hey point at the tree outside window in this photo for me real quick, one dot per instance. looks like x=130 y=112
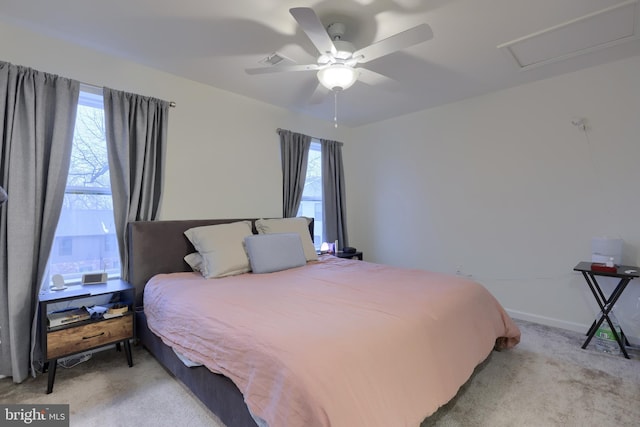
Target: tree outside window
x=85 y=237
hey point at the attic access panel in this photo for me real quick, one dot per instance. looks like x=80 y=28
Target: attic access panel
x=600 y=29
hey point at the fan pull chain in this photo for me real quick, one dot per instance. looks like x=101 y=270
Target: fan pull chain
x=335 y=109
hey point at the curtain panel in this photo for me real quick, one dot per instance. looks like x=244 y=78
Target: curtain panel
x=333 y=193
x=136 y=131
x=37 y=118
x=294 y=152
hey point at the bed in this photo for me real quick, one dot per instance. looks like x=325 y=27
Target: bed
x=276 y=349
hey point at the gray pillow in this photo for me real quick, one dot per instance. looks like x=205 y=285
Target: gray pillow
x=298 y=225
x=274 y=252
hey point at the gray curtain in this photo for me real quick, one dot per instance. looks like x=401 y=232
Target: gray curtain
x=37 y=118
x=294 y=152
x=333 y=194
x=136 y=131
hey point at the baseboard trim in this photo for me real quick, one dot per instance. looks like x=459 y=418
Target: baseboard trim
x=558 y=323
x=548 y=321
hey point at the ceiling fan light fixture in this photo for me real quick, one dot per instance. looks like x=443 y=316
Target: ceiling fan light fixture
x=337 y=77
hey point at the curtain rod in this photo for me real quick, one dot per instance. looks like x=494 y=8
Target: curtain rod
x=172 y=104
x=313 y=137
x=279 y=129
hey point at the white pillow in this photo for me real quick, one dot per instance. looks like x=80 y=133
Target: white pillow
x=298 y=225
x=221 y=247
x=194 y=260
x=274 y=252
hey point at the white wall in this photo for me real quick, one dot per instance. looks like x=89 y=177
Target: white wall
x=506 y=189
x=502 y=185
x=223 y=155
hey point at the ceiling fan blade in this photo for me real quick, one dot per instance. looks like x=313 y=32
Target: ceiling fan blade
x=276 y=69
x=372 y=78
x=399 y=41
x=313 y=28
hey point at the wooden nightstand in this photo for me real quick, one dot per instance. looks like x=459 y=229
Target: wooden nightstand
x=84 y=335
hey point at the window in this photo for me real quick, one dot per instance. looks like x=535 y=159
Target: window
x=85 y=239
x=65 y=246
x=311 y=205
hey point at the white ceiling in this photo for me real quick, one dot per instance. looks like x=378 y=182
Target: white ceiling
x=213 y=41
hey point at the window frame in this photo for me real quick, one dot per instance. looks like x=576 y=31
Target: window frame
x=318 y=222
x=92 y=97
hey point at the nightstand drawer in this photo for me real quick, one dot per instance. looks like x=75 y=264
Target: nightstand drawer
x=74 y=340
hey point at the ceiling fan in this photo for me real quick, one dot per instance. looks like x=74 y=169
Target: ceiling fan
x=338 y=66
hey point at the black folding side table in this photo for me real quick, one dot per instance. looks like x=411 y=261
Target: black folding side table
x=623 y=272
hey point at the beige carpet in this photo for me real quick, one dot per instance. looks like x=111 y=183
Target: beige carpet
x=546 y=381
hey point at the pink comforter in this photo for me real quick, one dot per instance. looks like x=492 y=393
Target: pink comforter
x=337 y=342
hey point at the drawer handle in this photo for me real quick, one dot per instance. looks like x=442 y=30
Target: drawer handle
x=93 y=336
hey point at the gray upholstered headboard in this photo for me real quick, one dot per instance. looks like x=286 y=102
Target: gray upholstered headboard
x=159 y=247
